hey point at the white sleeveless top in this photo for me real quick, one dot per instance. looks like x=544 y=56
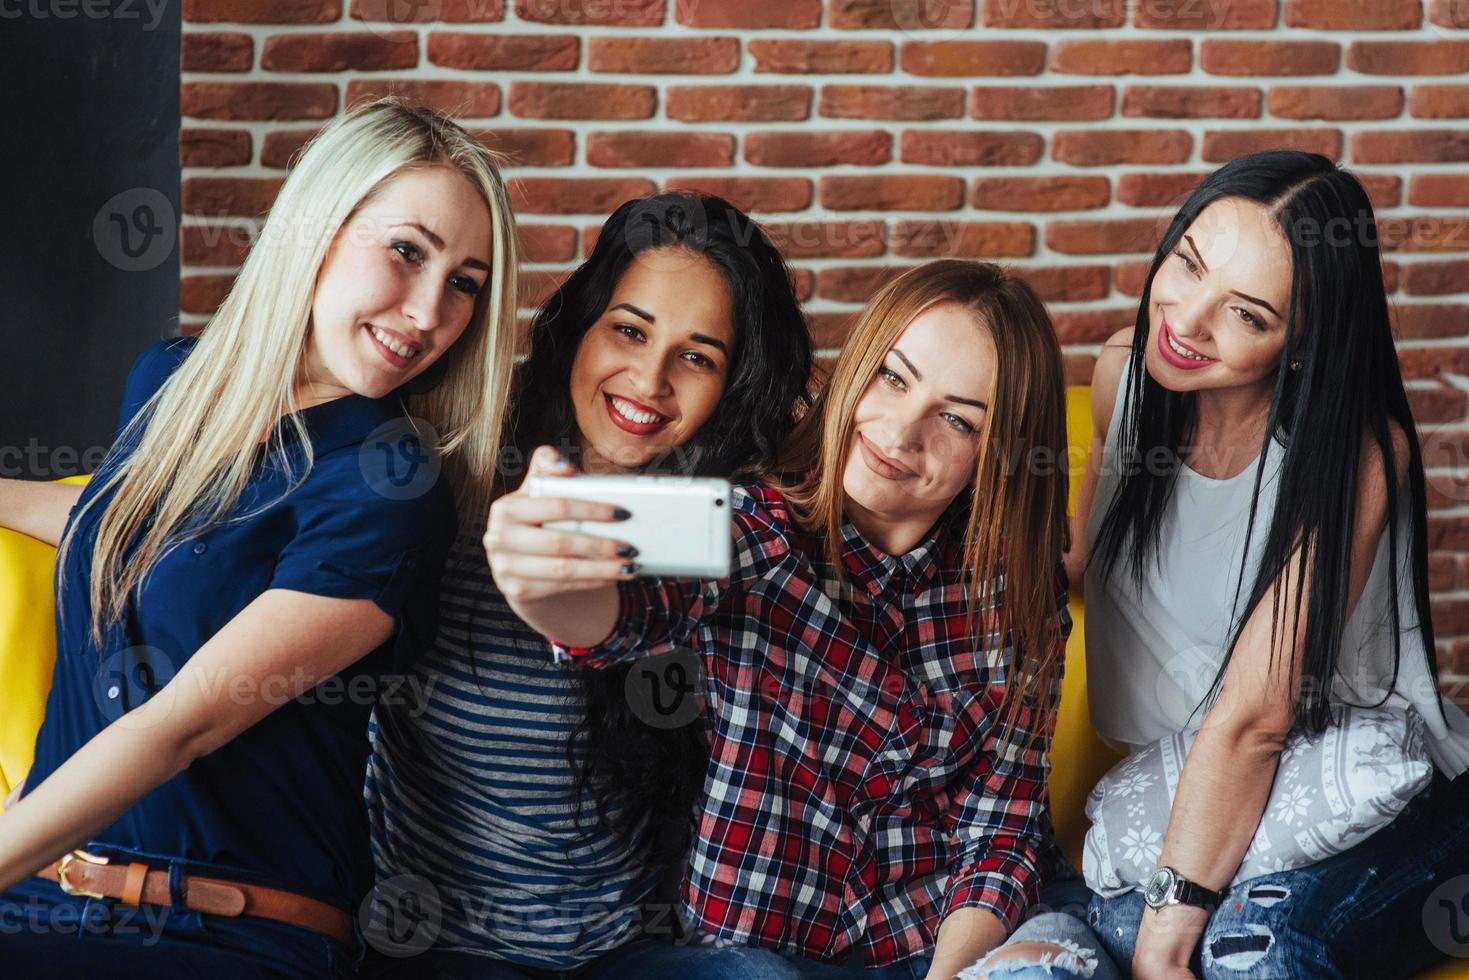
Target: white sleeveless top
x=1152 y=652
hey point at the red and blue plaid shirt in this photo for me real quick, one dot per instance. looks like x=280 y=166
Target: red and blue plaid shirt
x=861 y=785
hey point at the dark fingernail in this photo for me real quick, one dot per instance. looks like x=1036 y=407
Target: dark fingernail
x=631 y=568
x=621 y=515
x=627 y=551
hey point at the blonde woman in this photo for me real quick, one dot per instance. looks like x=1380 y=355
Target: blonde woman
x=883 y=661
x=259 y=547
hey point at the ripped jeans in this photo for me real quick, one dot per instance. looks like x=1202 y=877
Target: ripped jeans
x=1390 y=907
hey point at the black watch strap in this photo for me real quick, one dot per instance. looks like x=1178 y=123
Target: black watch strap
x=1192 y=893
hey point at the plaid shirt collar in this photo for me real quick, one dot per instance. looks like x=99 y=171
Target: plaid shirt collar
x=879 y=573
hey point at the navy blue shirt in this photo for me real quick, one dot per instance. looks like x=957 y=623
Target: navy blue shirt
x=281 y=804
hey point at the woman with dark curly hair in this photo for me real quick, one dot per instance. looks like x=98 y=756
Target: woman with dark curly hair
x=538 y=805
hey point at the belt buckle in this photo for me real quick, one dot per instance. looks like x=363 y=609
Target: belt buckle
x=65 y=862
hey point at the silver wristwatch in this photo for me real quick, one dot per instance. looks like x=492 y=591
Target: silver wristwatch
x=1168 y=887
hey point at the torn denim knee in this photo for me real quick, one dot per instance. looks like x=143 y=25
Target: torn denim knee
x=1068 y=958
x=1238 y=947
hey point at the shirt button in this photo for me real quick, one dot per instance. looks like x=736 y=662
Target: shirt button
x=113 y=692
x=200 y=548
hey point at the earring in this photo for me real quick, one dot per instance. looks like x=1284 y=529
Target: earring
x=1295 y=365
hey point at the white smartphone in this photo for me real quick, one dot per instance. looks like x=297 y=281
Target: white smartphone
x=680 y=525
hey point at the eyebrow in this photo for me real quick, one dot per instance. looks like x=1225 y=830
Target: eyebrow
x=916 y=373
x=968 y=401
x=1257 y=302
x=643 y=314
x=697 y=338
x=438 y=243
x=1190 y=240
x=953 y=398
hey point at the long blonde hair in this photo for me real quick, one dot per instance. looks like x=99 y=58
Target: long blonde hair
x=199 y=436
x=1019 y=490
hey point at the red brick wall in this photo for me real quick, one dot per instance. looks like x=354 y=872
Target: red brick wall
x=1054 y=135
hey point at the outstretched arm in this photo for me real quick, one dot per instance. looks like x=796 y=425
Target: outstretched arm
x=280 y=645
x=36 y=508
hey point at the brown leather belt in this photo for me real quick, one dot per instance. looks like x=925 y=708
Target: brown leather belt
x=83 y=874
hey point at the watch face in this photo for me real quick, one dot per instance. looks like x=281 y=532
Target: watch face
x=1158 y=887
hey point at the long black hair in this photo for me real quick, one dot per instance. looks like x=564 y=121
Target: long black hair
x=1348 y=387
x=645 y=781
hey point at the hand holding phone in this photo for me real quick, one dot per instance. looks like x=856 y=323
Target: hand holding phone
x=531 y=561
x=680 y=526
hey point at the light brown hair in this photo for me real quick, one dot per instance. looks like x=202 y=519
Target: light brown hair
x=1019 y=488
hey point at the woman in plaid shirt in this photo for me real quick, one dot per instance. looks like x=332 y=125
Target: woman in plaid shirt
x=875 y=803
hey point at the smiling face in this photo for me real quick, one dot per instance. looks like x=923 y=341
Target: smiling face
x=651 y=370
x=916 y=429
x=398 y=285
x=1218 y=303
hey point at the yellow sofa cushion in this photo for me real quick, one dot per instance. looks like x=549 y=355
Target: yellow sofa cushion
x=27 y=647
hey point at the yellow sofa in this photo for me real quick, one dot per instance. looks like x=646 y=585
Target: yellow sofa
x=27 y=652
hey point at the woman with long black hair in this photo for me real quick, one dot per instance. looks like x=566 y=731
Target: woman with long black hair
x=1271 y=573
x=541 y=810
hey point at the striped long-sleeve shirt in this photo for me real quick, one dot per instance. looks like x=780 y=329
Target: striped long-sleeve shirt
x=470 y=789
